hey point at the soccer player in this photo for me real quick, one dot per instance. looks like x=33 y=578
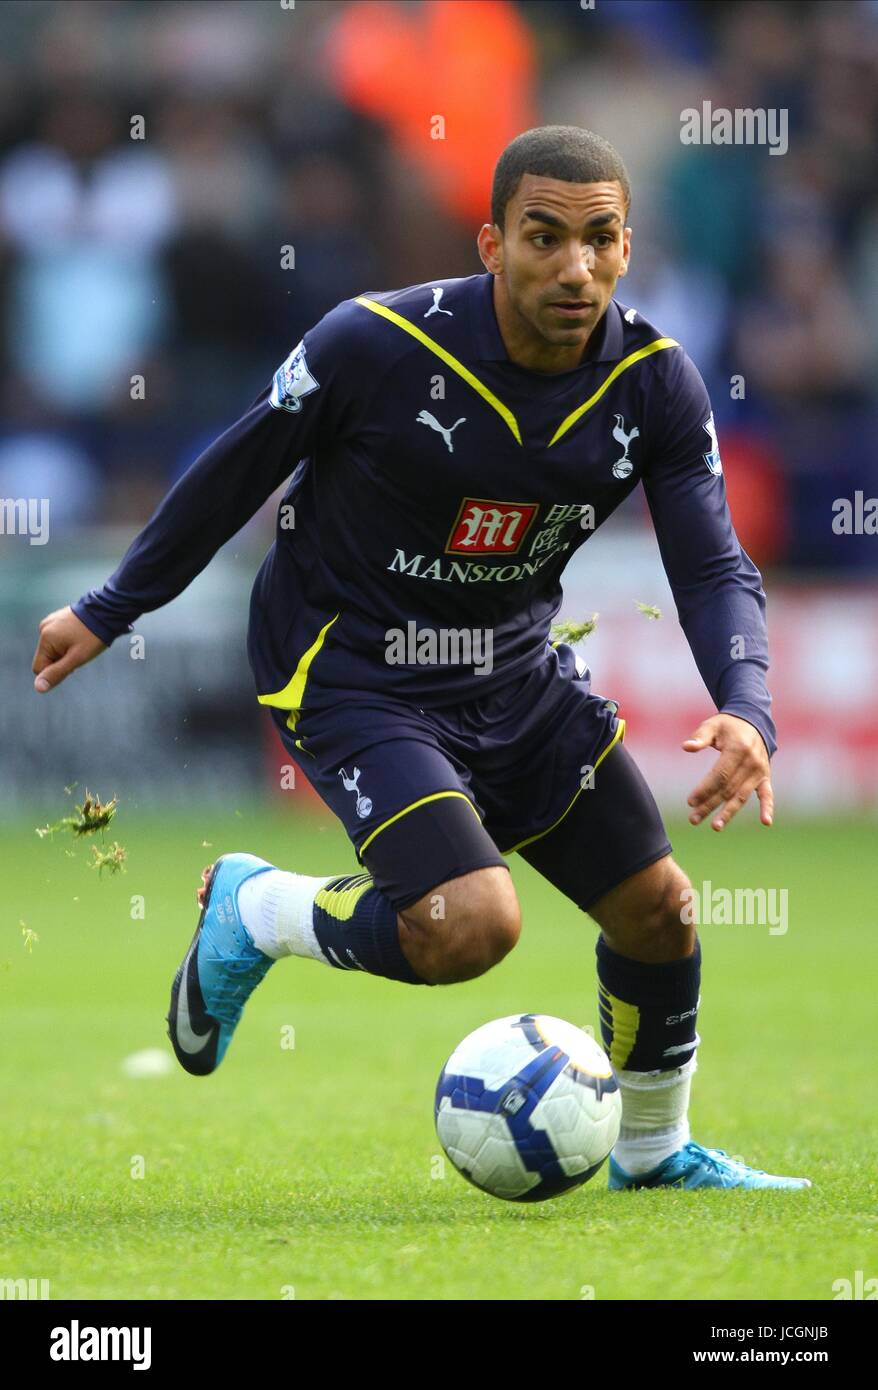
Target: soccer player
x=451 y=446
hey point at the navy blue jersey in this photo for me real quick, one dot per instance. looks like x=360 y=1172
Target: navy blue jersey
x=437 y=486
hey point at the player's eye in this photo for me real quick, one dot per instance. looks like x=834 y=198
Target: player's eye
x=605 y=238
x=543 y=236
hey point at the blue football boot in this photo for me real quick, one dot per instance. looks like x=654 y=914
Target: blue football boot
x=694 y=1166
x=220 y=970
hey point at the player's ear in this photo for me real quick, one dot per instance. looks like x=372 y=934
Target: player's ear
x=626 y=244
x=490 y=244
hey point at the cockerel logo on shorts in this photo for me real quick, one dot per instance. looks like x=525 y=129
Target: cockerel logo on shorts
x=364 y=803
x=486 y=527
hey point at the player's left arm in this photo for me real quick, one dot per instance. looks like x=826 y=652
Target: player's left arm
x=717 y=591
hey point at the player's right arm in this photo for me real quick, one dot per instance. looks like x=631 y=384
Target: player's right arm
x=215 y=497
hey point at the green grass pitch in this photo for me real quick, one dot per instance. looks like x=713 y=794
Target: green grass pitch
x=312 y=1171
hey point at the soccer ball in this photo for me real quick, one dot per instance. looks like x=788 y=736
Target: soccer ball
x=528 y=1107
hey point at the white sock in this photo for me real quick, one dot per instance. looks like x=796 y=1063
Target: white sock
x=655 y=1121
x=277 y=909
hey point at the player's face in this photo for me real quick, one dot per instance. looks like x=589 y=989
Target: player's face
x=555 y=264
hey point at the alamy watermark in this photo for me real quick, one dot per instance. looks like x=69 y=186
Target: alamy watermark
x=857 y=516
x=77 y=1343
x=738 y=907
x=857 y=1288
x=24 y=1289
x=25 y=516
x=442 y=646
x=717 y=125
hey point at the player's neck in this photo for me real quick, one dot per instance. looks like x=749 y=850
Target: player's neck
x=526 y=348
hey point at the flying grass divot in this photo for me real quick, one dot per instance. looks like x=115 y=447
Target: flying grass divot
x=649 y=610
x=577 y=632
x=92 y=817
x=574 y=632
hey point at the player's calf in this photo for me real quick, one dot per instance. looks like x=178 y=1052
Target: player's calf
x=649 y=975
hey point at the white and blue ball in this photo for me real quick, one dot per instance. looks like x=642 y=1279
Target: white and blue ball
x=528 y=1107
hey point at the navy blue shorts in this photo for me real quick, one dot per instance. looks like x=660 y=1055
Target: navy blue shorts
x=537 y=767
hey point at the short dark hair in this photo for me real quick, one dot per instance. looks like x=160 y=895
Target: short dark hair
x=565 y=152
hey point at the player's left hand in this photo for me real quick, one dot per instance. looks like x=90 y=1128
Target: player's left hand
x=742 y=768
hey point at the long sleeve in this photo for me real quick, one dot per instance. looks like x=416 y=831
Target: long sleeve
x=224 y=487
x=717 y=588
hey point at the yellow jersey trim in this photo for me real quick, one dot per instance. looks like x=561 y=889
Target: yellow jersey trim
x=617 y=736
x=453 y=362
x=291 y=696
x=457 y=366
x=422 y=801
x=619 y=368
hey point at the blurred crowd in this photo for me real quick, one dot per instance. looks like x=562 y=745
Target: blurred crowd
x=268 y=126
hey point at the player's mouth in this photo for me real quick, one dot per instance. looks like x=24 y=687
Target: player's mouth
x=571 y=308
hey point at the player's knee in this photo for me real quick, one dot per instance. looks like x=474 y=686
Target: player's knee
x=485 y=925
x=649 y=913
x=669 y=916
x=491 y=938
x=474 y=922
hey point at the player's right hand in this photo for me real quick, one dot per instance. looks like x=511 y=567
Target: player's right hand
x=64 y=644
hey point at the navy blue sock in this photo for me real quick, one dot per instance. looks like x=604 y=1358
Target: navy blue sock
x=356 y=929
x=648 y=1012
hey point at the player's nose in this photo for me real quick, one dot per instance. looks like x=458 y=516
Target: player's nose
x=577 y=272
